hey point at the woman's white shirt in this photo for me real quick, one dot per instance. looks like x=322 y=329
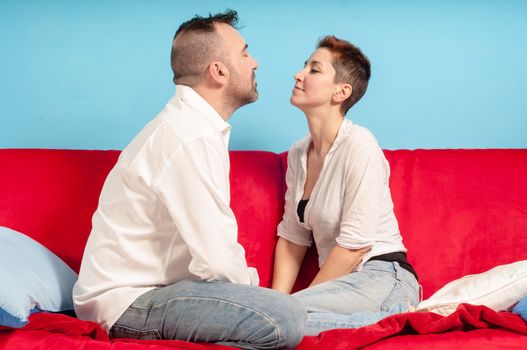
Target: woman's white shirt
x=350 y=205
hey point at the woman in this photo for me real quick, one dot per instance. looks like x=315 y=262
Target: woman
x=338 y=196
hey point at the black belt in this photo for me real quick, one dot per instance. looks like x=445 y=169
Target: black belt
x=399 y=257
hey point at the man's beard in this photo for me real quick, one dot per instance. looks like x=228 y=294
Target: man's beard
x=238 y=95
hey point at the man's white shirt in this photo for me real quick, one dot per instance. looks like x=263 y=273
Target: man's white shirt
x=164 y=213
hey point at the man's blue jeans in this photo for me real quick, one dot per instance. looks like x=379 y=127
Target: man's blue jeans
x=360 y=298
x=242 y=316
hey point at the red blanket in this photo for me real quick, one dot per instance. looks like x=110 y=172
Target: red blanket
x=465 y=318
x=51 y=330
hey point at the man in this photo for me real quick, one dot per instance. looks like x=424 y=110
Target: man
x=162 y=260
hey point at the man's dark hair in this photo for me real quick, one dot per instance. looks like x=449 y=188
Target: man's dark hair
x=351 y=67
x=197 y=45
x=206 y=24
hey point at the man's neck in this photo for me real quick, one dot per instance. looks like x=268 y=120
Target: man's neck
x=216 y=100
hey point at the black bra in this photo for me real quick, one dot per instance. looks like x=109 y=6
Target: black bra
x=301 y=209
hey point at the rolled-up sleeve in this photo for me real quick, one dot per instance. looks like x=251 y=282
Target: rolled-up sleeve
x=365 y=183
x=290 y=228
x=195 y=190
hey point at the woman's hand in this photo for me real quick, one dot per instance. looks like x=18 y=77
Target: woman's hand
x=340 y=262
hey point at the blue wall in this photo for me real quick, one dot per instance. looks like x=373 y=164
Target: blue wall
x=89 y=74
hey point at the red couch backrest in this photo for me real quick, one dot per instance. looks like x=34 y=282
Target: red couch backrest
x=257 y=203
x=460 y=211
x=51 y=195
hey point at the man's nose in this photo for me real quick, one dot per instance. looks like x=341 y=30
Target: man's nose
x=255 y=64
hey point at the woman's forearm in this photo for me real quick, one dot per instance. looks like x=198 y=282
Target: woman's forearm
x=287 y=262
x=340 y=262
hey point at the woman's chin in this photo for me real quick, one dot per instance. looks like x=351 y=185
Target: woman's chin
x=294 y=101
x=297 y=105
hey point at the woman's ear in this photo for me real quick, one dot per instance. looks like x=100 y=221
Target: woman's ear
x=218 y=72
x=343 y=91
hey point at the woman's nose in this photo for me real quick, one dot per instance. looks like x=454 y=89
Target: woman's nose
x=298 y=76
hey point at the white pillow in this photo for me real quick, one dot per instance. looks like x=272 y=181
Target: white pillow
x=498 y=288
x=32 y=279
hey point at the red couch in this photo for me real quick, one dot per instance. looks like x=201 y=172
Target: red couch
x=460 y=212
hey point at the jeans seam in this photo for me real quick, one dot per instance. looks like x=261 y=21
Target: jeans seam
x=116 y=328
x=263 y=315
x=337 y=285
x=355 y=284
x=405 y=283
x=137 y=306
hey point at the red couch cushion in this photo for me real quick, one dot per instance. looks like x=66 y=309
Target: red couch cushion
x=470 y=327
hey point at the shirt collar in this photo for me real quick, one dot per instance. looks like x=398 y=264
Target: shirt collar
x=341 y=136
x=199 y=104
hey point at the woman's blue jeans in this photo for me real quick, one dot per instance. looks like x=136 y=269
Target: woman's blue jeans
x=242 y=316
x=360 y=298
